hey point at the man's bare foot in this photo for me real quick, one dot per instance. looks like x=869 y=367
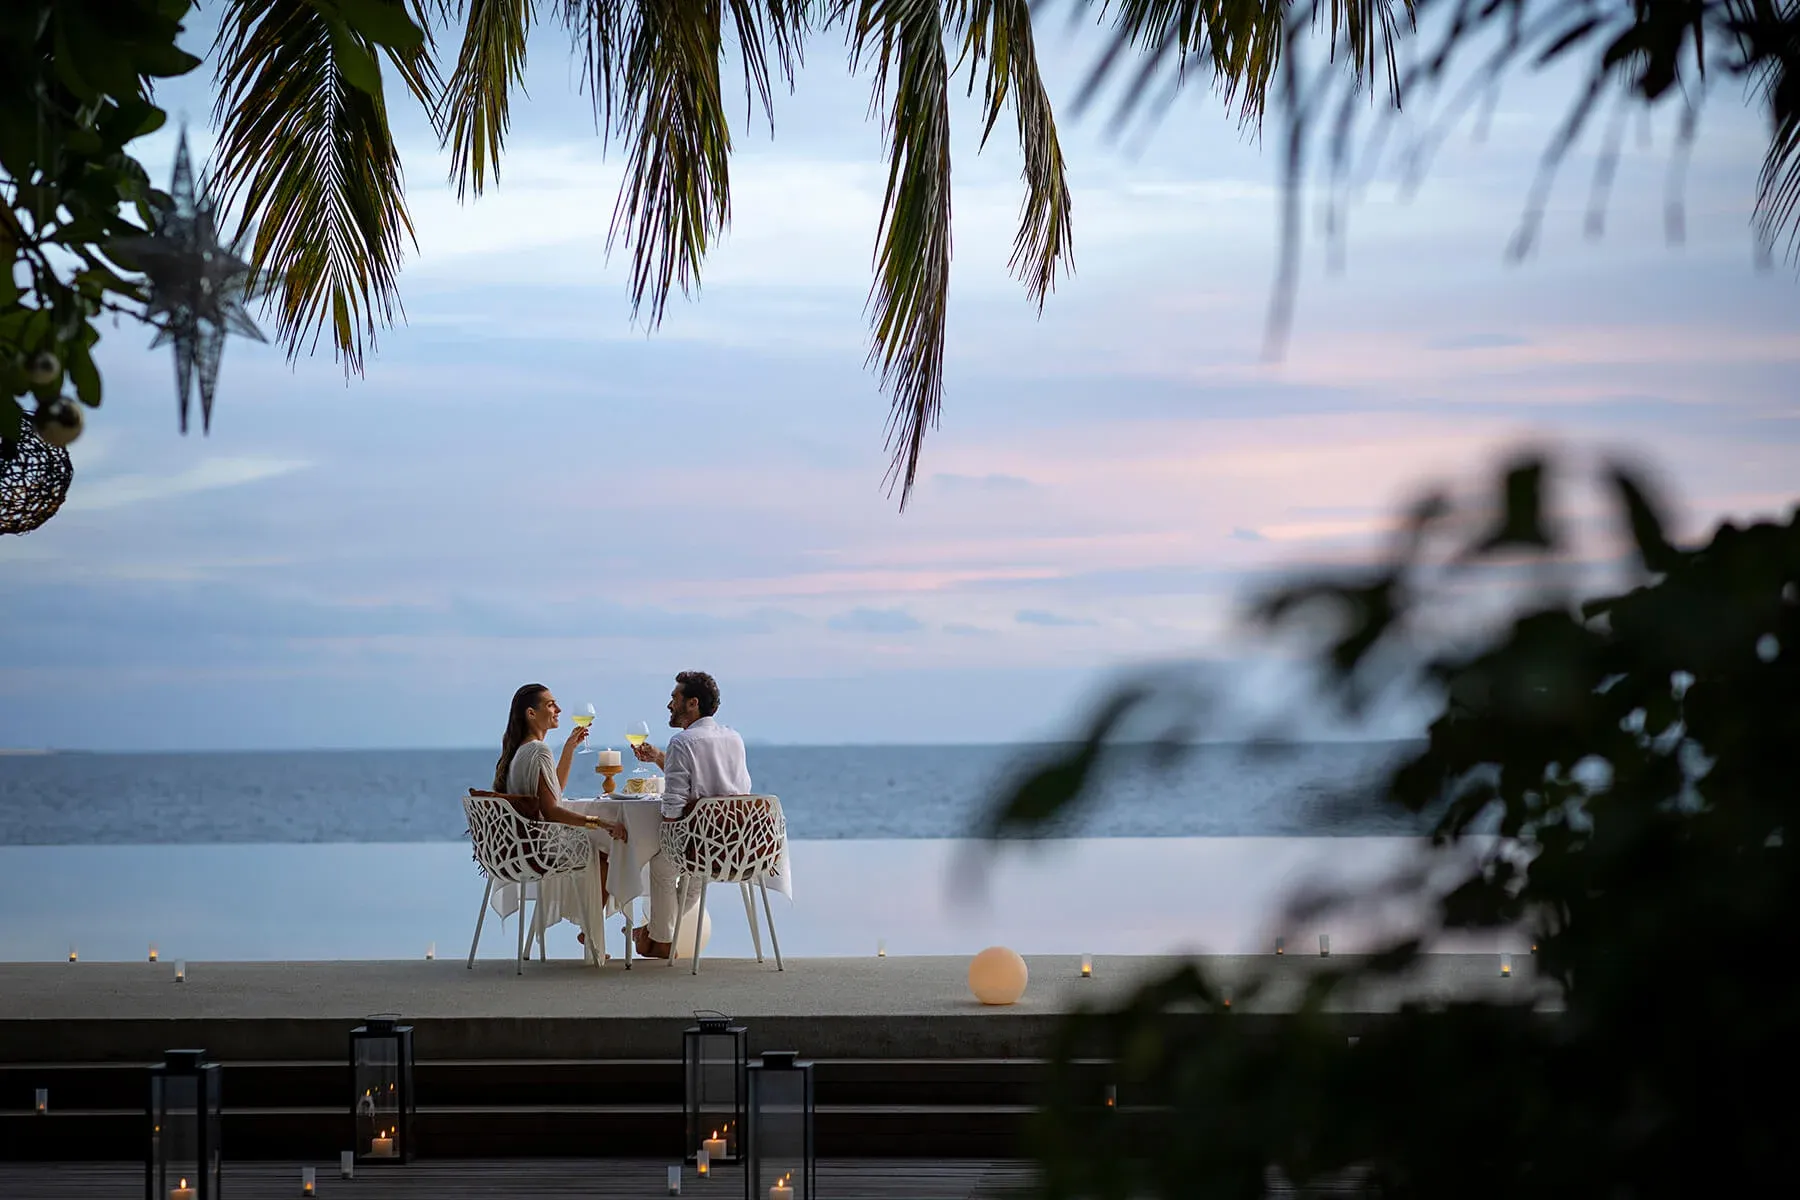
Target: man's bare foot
x=646 y=947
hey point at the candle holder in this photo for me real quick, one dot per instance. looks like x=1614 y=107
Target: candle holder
x=41 y=1106
x=381 y=1088
x=307 y=1181
x=675 y=1181
x=152 y=951
x=1324 y=945
x=1506 y=966
x=346 y=1164
x=185 y=1162
x=1087 y=966
x=778 y=1151
x=73 y=957
x=1281 y=945
x=702 y=1164
x=714 y=1059
x=880 y=947
x=181 y=971
x=611 y=773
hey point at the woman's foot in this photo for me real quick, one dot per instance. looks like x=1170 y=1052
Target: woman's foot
x=646 y=947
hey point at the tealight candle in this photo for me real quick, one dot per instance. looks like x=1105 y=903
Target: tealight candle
x=714 y=1147
x=306 y=1181
x=1087 y=966
x=347 y=1164
x=1506 y=966
x=181 y=971
x=72 y=955
x=152 y=951
x=184 y=1192
x=609 y=758
x=880 y=947
x=1324 y=945
x=702 y=1163
x=43 y=1101
x=783 y=1189
x=1281 y=945
x=1112 y=1096
x=674 y=1181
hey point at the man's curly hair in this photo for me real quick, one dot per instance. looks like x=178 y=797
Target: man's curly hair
x=698 y=685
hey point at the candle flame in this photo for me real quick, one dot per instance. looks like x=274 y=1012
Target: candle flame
x=183 y=1182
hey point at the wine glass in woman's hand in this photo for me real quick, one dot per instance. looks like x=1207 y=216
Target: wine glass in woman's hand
x=583 y=726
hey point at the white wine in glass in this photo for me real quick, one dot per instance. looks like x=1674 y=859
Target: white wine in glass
x=637 y=733
x=582 y=721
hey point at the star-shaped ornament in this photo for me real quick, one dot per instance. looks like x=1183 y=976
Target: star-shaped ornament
x=197 y=286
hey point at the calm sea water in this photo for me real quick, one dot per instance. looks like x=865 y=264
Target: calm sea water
x=828 y=793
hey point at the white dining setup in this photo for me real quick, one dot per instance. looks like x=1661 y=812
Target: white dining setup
x=543 y=873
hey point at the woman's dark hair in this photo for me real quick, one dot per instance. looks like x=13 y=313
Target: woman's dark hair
x=698 y=685
x=517 y=729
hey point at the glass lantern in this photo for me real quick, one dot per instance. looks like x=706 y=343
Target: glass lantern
x=184 y=1161
x=381 y=1091
x=714 y=1059
x=778 y=1148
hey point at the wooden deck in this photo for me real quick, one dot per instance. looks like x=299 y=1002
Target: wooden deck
x=528 y=1179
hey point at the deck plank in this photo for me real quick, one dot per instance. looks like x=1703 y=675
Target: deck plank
x=529 y=1179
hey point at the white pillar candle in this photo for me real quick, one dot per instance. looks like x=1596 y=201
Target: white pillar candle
x=701 y=1162
x=714 y=1147
x=347 y=1164
x=381 y=1147
x=306 y=1181
x=184 y=1192
x=609 y=758
x=783 y=1189
x=675 y=1181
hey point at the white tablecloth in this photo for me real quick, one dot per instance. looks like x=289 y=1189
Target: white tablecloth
x=627 y=870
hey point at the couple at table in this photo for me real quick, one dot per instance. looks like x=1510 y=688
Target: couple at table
x=704 y=758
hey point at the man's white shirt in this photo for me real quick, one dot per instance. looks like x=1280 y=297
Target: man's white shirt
x=705 y=759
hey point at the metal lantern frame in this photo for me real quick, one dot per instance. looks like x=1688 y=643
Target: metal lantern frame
x=389 y=1115
x=777 y=1078
x=711 y=1043
x=183 y=1119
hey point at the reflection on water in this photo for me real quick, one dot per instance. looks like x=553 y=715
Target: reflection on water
x=273 y=902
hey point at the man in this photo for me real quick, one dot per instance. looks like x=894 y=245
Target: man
x=704 y=758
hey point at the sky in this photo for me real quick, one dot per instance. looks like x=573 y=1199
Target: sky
x=526 y=486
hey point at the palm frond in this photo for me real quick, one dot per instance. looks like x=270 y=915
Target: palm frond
x=304 y=143
x=477 y=102
x=912 y=283
x=676 y=197
x=999 y=33
x=601 y=32
x=1242 y=42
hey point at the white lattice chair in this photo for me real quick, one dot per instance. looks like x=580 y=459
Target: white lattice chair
x=512 y=848
x=727 y=839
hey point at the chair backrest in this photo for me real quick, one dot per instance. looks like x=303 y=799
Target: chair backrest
x=513 y=849
x=729 y=839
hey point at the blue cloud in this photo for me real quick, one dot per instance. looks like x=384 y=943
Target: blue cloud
x=875 y=620
x=1240 y=534
x=960 y=629
x=1038 y=616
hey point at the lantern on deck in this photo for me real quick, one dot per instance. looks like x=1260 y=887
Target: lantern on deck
x=778 y=1124
x=714 y=1061
x=184 y=1161
x=381 y=1090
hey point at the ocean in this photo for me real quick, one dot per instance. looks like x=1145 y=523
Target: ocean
x=828 y=793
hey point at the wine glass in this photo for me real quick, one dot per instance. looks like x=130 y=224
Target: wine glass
x=582 y=721
x=637 y=733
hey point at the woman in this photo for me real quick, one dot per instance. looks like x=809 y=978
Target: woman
x=527 y=768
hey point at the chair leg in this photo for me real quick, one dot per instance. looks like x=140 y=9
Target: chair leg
x=519 y=958
x=630 y=922
x=681 y=895
x=699 y=924
x=480 y=916
x=773 y=940
x=750 y=912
